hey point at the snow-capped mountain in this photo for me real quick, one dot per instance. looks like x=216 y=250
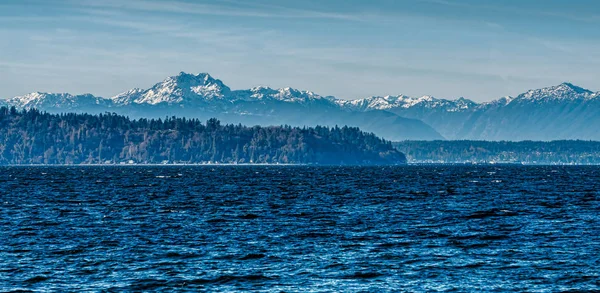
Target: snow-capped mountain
x=128 y=97
x=202 y=96
x=285 y=95
x=181 y=89
x=564 y=111
x=62 y=101
x=563 y=91
x=406 y=102
x=190 y=89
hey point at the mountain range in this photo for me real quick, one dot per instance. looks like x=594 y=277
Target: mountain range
x=564 y=111
x=560 y=112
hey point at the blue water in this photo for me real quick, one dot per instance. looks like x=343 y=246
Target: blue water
x=300 y=229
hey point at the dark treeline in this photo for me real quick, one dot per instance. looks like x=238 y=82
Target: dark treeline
x=34 y=137
x=529 y=152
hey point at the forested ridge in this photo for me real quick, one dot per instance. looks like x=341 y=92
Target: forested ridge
x=529 y=152
x=34 y=137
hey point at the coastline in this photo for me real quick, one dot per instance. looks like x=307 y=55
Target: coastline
x=410 y=164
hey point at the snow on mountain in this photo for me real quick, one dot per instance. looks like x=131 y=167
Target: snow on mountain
x=183 y=88
x=563 y=91
x=202 y=88
x=128 y=97
x=55 y=100
x=195 y=89
x=499 y=102
x=189 y=89
x=285 y=95
x=402 y=101
x=202 y=96
x=563 y=111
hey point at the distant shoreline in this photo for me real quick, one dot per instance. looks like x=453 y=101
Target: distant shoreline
x=497 y=164
x=414 y=164
x=149 y=165
x=195 y=165
x=560 y=152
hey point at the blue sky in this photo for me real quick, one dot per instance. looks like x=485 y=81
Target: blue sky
x=479 y=49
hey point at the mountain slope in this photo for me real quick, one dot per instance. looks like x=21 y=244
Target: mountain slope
x=202 y=96
x=560 y=112
x=564 y=111
x=60 y=102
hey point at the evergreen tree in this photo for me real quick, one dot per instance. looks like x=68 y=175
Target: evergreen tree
x=34 y=137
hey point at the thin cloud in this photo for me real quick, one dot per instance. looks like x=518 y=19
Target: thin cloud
x=214 y=9
x=232 y=38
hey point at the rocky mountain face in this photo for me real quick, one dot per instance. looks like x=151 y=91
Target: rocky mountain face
x=564 y=111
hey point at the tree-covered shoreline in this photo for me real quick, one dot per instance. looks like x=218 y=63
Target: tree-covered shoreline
x=35 y=137
x=559 y=152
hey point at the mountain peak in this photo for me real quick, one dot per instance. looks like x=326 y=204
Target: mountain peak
x=202 y=76
x=184 y=87
x=55 y=100
x=563 y=91
x=126 y=98
x=407 y=102
x=35 y=97
x=203 y=79
x=571 y=87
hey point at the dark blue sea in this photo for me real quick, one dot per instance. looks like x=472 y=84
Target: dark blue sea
x=300 y=229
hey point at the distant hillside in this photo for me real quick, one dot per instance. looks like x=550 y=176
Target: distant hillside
x=526 y=152
x=33 y=137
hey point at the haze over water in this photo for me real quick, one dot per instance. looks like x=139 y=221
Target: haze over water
x=287 y=228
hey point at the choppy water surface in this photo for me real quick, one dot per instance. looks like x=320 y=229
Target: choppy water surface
x=415 y=228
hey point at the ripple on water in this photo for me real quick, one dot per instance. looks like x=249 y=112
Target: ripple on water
x=291 y=228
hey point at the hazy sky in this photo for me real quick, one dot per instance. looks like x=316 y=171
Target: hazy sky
x=478 y=49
